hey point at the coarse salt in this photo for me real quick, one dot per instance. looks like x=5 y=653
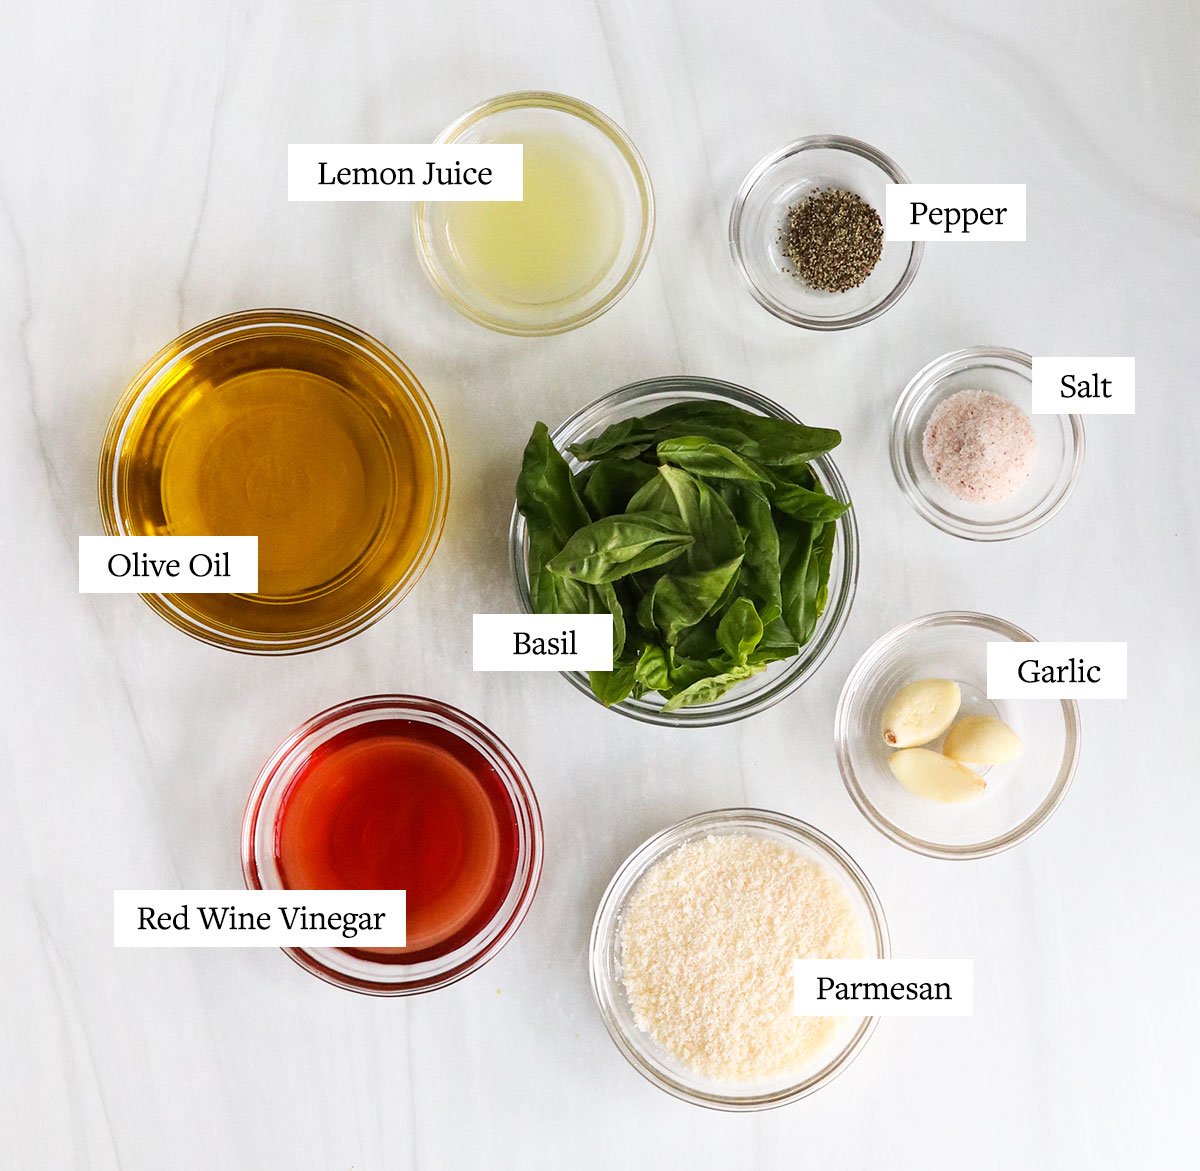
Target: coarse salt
x=706 y=949
x=979 y=445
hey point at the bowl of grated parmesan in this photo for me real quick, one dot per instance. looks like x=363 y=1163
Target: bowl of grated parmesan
x=692 y=951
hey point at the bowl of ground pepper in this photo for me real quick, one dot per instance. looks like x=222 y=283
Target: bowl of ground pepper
x=806 y=233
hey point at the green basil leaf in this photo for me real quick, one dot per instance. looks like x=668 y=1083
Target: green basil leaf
x=547 y=498
x=617 y=546
x=711 y=689
x=680 y=600
x=740 y=630
x=795 y=548
x=611 y=687
x=760 y=567
x=718 y=538
x=654 y=495
x=775 y=443
x=704 y=457
x=806 y=504
x=652 y=670
x=612 y=483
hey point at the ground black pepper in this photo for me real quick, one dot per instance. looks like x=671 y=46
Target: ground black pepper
x=833 y=239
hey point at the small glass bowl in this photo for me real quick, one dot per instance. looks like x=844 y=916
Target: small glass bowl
x=787 y=177
x=779 y=680
x=506 y=119
x=1057 y=464
x=374 y=380
x=650 y=1059
x=1020 y=795
x=355 y=971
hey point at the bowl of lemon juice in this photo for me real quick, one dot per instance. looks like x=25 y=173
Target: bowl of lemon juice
x=570 y=248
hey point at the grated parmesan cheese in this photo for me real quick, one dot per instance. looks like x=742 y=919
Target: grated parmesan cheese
x=706 y=948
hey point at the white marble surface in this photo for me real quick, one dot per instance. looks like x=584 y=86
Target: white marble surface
x=142 y=190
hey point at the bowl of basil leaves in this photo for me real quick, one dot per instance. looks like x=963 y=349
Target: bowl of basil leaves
x=714 y=527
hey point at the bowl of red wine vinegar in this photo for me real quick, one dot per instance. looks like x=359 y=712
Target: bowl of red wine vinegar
x=397 y=792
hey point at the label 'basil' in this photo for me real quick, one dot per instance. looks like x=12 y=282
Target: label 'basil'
x=701 y=528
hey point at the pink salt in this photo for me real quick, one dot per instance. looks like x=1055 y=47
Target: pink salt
x=979 y=445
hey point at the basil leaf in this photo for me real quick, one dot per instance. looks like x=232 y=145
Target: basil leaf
x=806 y=504
x=611 y=687
x=711 y=689
x=760 y=567
x=547 y=499
x=680 y=600
x=740 y=630
x=718 y=538
x=703 y=457
x=653 y=496
x=795 y=548
x=652 y=671
x=772 y=442
x=617 y=546
x=612 y=483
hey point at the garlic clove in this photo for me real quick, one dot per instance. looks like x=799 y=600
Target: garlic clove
x=935 y=777
x=920 y=712
x=982 y=740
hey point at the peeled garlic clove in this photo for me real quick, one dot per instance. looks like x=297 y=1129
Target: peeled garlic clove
x=920 y=712
x=982 y=740
x=935 y=777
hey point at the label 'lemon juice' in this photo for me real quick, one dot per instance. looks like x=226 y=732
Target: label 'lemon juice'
x=555 y=244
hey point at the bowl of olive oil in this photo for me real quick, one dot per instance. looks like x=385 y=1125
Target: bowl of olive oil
x=297 y=429
x=575 y=242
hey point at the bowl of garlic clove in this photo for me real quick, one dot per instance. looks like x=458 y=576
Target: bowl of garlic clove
x=933 y=762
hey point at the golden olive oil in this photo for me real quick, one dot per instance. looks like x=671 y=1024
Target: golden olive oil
x=555 y=244
x=297 y=437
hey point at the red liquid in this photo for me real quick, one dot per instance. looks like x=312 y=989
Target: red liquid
x=402 y=805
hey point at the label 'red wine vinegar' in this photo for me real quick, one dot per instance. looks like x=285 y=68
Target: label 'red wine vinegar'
x=405 y=805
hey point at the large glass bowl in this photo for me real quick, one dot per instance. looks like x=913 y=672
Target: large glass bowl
x=1020 y=795
x=649 y=1058
x=779 y=680
x=357 y=971
x=506 y=119
x=362 y=375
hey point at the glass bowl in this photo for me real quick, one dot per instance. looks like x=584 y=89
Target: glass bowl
x=1020 y=795
x=787 y=177
x=779 y=680
x=391 y=439
x=510 y=118
x=653 y=1061
x=1057 y=464
x=358 y=971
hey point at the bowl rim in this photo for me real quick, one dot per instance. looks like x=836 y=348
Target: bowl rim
x=757 y=173
x=1000 y=842
x=606 y=927
x=917 y=390
x=227 y=326
x=473 y=954
x=795 y=671
x=563 y=103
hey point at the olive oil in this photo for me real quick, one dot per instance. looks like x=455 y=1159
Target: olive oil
x=557 y=243
x=298 y=436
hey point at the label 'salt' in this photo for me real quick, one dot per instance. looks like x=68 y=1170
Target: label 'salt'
x=1072 y=386
x=259 y=918
x=976 y=212
x=883 y=987
x=543 y=642
x=1057 y=670
x=168 y=565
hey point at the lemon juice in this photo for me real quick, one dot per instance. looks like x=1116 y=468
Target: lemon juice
x=555 y=244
